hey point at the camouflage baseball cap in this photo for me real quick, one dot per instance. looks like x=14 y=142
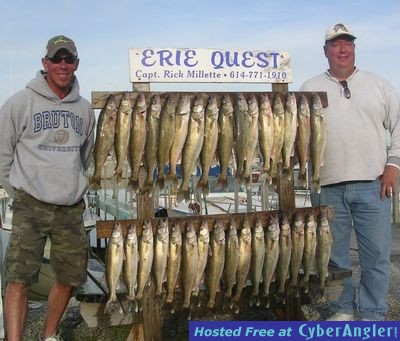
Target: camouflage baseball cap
x=60 y=42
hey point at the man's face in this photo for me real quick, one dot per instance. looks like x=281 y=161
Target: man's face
x=340 y=53
x=60 y=71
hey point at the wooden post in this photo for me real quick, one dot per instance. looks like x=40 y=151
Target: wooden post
x=149 y=328
x=287 y=204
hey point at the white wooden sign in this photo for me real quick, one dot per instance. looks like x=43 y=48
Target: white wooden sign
x=209 y=66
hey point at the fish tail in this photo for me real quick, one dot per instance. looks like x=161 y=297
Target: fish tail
x=239 y=178
x=171 y=181
x=316 y=185
x=222 y=183
x=94 y=182
x=183 y=194
x=133 y=184
x=203 y=187
x=302 y=178
x=118 y=174
x=160 y=182
x=148 y=188
x=287 y=173
x=113 y=305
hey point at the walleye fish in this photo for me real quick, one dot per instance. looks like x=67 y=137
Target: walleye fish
x=151 y=146
x=122 y=132
x=174 y=261
x=190 y=257
x=266 y=135
x=290 y=130
x=160 y=255
x=242 y=131
x=252 y=138
x=303 y=138
x=285 y=249
x=257 y=261
x=192 y=147
x=297 y=252
x=137 y=140
x=146 y=254
x=104 y=139
x=181 y=129
x=271 y=255
x=225 y=140
x=115 y=258
x=203 y=246
x=231 y=259
x=209 y=147
x=166 y=137
x=318 y=139
x=216 y=261
x=131 y=263
x=310 y=243
x=244 y=262
x=323 y=251
x=278 y=112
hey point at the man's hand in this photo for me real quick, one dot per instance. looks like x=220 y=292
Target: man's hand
x=389 y=181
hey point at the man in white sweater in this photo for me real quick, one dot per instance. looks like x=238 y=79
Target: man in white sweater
x=360 y=173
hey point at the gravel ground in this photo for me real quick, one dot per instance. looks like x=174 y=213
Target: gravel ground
x=73 y=328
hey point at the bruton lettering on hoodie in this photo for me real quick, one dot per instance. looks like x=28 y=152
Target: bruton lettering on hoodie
x=56 y=118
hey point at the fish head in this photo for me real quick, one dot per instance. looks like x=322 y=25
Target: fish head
x=278 y=109
x=155 y=106
x=316 y=105
x=125 y=101
x=212 y=107
x=198 y=108
x=219 y=233
x=227 y=106
x=176 y=236
x=265 y=105
x=183 y=107
x=241 y=102
x=162 y=231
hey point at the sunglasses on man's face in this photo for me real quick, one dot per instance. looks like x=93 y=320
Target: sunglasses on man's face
x=346 y=89
x=69 y=59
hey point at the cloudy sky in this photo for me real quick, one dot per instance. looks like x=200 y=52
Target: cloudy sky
x=104 y=31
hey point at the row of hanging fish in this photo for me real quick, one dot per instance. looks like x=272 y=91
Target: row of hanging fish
x=201 y=128
x=223 y=260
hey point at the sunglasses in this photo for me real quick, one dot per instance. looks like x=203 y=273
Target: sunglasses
x=346 y=89
x=69 y=59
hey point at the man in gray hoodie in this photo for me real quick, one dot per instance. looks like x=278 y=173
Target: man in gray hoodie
x=46 y=138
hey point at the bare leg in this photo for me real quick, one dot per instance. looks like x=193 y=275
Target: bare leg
x=57 y=303
x=16 y=310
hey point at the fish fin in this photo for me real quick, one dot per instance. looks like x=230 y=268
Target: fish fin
x=222 y=183
x=203 y=187
x=316 y=185
x=112 y=306
x=183 y=194
x=302 y=178
x=160 y=182
x=171 y=181
x=94 y=183
x=133 y=185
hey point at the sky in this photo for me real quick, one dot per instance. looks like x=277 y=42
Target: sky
x=104 y=31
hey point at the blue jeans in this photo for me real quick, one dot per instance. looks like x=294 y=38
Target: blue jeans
x=358 y=205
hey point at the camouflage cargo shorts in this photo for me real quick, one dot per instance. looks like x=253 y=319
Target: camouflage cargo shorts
x=32 y=222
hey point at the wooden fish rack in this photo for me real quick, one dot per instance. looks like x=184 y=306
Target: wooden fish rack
x=149 y=322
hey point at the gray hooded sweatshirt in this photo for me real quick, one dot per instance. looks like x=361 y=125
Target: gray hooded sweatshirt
x=46 y=143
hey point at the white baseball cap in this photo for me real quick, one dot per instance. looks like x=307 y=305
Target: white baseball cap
x=339 y=30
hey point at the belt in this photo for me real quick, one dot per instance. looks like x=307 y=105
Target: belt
x=343 y=183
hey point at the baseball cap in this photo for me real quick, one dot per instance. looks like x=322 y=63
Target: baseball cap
x=339 y=30
x=60 y=42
